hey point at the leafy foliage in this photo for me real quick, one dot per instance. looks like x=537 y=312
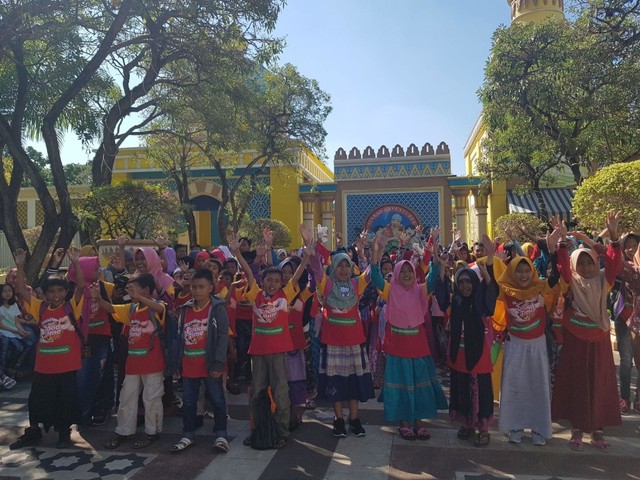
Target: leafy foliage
x=253 y=230
x=614 y=187
x=139 y=210
x=557 y=93
x=507 y=226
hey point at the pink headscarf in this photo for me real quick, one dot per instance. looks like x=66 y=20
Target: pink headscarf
x=88 y=266
x=407 y=306
x=204 y=256
x=219 y=254
x=154 y=267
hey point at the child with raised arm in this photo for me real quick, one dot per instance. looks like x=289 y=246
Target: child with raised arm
x=411 y=389
x=586 y=391
x=53 y=400
x=270 y=337
x=344 y=374
x=200 y=356
x=145 y=364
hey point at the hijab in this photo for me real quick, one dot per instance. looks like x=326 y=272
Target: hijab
x=154 y=267
x=589 y=294
x=201 y=256
x=407 y=306
x=88 y=267
x=468 y=312
x=342 y=294
x=510 y=286
x=170 y=256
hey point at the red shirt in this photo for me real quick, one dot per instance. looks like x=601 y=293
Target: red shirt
x=406 y=342
x=295 y=325
x=526 y=319
x=583 y=327
x=196 y=326
x=270 y=327
x=59 y=347
x=484 y=365
x=181 y=299
x=342 y=328
x=145 y=350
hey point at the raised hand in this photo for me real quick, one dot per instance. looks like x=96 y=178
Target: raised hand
x=268 y=235
x=260 y=251
x=123 y=240
x=457 y=235
x=339 y=239
x=58 y=256
x=161 y=242
x=306 y=234
x=554 y=237
x=234 y=243
x=115 y=262
x=73 y=254
x=184 y=266
x=20 y=256
x=419 y=230
x=613 y=222
x=435 y=232
x=489 y=245
x=404 y=238
x=484 y=273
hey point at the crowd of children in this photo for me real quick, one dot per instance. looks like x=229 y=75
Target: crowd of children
x=527 y=326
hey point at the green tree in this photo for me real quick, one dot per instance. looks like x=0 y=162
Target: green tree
x=508 y=226
x=88 y=65
x=556 y=93
x=254 y=229
x=615 y=188
x=139 y=210
x=273 y=113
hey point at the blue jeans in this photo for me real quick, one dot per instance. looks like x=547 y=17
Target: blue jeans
x=9 y=346
x=629 y=350
x=190 y=389
x=95 y=370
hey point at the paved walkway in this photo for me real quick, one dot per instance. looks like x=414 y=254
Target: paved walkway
x=312 y=452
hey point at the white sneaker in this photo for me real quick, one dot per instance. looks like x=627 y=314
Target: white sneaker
x=537 y=439
x=515 y=436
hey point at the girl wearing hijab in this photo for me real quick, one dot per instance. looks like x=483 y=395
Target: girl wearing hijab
x=95 y=378
x=586 y=390
x=525 y=398
x=344 y=374
x=148 y=261
x=411 y=389
x=472 y=303
x=626 y=314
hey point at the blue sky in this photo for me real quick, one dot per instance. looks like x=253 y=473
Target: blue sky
x=398 y=71
x=403 y=71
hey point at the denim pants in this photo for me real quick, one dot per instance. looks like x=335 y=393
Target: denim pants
x=629 y=350
x=96 y=369
x=190 y=389
x=9 y=345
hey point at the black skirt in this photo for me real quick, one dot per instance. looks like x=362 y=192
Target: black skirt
x=53 y=400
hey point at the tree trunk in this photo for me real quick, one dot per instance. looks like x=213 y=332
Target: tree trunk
x=574 y=165
x=544 y=214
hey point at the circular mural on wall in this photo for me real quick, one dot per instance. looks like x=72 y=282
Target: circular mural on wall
x=393 y=219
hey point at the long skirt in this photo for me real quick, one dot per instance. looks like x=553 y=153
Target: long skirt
x=471 y=399
x=586 y=390
x=411 y=389
x=53 y=400
x=296 y=376
x=344 y=374
x=525 y=396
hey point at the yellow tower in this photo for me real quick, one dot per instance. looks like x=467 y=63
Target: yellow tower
x=535 y=10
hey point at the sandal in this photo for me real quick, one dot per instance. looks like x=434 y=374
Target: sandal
x=482 y=439
x=145 y=441
x=598 y=441
x=182 y=444
x=422 y=433
x=221 y=445
x=465 y=433
x=8 y=382
x=407 y=433
x=309 y=404
x=575 y=443
x=247 y=442
x=115 y=442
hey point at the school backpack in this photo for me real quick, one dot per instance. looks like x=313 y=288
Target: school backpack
x=166 y=334
x=265 y=434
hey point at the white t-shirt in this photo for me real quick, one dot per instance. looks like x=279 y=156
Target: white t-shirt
x=8 y=316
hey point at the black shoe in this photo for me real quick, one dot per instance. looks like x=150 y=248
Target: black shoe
x=355 y=427
x=31 y=436
x=99 y=419
x=339 y=429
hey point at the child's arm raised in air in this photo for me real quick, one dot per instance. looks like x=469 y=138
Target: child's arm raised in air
x=94 y=291
x=234 y=246
x=20 y=257
x=306 y=258
x=74 y=255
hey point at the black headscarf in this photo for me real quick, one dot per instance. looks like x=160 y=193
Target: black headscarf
x=469 y=311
